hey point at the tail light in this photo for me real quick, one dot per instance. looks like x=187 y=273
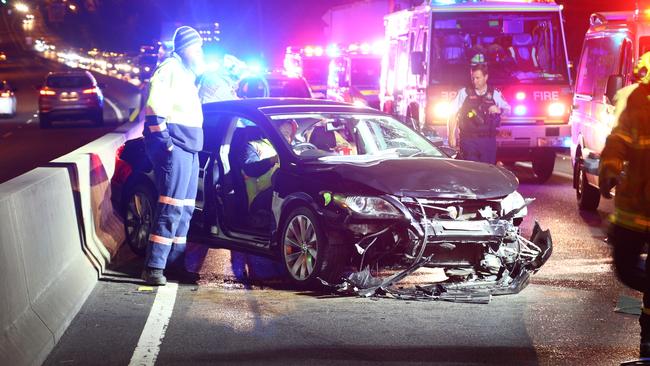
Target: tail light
x=91 y=91
x=122 y=168
x=47 y=92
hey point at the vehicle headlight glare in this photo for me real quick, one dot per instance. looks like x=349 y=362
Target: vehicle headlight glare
x=372 y=206
x=556 y=109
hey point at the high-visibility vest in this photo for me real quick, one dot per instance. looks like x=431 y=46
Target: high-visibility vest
x=256 y=185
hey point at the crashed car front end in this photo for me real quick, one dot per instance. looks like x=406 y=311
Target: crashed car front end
x=476 y=242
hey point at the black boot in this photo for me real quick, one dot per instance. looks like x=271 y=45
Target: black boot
x=644 y=321
x=154 y=277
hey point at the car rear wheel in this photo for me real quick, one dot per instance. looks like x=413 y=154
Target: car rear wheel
x=138 y=217
x=587 y=195
x=306 y=253
x=543 y=165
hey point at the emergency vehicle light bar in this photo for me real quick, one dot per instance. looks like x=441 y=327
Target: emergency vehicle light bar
x=452 y=2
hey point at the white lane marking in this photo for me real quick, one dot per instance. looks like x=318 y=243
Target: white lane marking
x=7 y=135
x=117 y=111
x=148 y=347
x=30 y=121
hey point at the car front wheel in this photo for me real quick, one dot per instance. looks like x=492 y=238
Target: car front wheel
x=306 y=253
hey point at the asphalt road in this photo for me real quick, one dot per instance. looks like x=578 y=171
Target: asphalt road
x=565 y=317
x=23 y=144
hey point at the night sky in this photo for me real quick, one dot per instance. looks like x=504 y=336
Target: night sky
x=250 y=28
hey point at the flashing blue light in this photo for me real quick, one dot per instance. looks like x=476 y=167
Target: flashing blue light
x=566 y=142
x=521 y=110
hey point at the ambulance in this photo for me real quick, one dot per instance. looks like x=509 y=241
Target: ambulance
x=612 y=45
x=429 y=53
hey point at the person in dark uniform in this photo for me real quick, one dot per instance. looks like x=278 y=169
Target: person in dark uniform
x=477 y=112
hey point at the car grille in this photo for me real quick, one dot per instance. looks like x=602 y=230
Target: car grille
x=446 y=209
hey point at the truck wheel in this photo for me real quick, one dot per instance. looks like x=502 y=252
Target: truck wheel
x=306 y=252
x=543 y=165
x=587 y=195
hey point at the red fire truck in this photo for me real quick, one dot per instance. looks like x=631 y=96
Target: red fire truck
x=430 y=51
x=345 y=73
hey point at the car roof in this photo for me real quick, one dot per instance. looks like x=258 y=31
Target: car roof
x=285 y=105
x=69 y=73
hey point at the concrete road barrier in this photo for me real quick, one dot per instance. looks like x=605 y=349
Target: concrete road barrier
x=46 y=277
x=58 y=231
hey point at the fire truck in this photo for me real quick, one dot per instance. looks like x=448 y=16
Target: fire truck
x=345 y=73
x=430 y=52
x=312 y=63
x=355 y=72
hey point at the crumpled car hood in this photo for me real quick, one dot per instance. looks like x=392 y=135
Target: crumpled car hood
x=427 y=177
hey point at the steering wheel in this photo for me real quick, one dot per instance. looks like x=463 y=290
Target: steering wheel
x=303 y=146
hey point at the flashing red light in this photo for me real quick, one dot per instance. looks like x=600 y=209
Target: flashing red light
x=520 y=95
x=90 y=91
x=47 y=92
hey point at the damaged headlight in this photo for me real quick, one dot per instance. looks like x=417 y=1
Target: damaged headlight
x=513 y=201
x=370 y=206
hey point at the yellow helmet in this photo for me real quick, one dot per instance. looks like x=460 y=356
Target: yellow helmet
x=642 y=69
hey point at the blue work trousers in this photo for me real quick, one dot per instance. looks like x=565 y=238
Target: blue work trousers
x=481 y=149
x=176 y=174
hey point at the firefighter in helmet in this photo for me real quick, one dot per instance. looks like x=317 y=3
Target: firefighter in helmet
x=477 y=114
x=625 y=164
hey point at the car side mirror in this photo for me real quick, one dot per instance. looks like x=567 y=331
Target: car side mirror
x=614 y=83
x=449 y=151
x=417 y=63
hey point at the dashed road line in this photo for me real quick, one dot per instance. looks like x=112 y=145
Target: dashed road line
x=146 y=352
x=30 y=121
x=7 y=135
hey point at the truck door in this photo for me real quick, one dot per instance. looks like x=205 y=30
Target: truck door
x=584 y=92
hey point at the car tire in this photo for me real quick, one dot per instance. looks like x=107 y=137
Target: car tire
x=99 y=118
x=543 y=165
x=304 y=245
x=44 y=121
x=139 y=209
x=588 y=196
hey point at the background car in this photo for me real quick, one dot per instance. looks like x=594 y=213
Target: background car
x=70 y=95
x=274 y=85
x=7 y=99
x=350 y=180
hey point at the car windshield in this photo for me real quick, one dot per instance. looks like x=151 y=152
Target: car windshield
x=351 y=137
x=290 y=87
x=527 y=47
x=72 y=81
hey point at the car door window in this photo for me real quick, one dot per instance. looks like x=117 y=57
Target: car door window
x=585 y=79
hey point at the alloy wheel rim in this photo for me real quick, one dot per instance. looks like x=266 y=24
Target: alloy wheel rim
x=138 y=221
x=300 y=247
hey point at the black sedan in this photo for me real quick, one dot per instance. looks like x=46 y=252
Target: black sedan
x=339 y=187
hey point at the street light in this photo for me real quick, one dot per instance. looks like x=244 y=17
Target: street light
x=21 y=7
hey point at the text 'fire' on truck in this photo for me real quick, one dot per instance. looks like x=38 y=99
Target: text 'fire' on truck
x=345 y=73
x=429 y=55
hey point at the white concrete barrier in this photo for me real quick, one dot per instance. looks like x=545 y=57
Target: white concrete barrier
x=58 y=231
x=46 y=277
